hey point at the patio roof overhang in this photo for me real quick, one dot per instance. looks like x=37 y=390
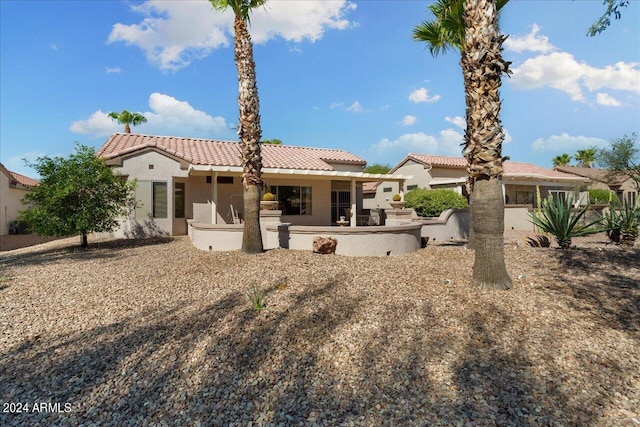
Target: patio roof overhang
x=541 y=180
x=321 y=174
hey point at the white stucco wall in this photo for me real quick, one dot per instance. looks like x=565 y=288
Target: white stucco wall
x=150 y=166
x=10 y=203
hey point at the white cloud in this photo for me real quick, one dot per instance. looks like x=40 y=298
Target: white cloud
x=458 y=121
x=409 y=120
x=174 y=33
x=174 y=117
x=168 y=116
x=53 y=46
x=566 y=143
x=112 y=70
x=97 y=125
x=422 y=95
x=356 y=107
x=607 y=100
x=335 y=105
x=560 y=70
x=531 y=42
x=447 y=142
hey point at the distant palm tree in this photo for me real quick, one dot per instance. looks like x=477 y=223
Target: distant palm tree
x=127 y=118
x=471 y=27
x=249 y=126
x=562 y=160
x=586 y=158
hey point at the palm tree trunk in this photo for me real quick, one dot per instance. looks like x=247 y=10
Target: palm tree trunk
x=482 y=66
x=127 y=128
x=250 y=133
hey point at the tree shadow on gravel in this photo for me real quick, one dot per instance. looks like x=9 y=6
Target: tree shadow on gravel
x=615 y=298
x=96 y=250
x=289 y=364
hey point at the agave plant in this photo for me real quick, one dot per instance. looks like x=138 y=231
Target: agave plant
x=611 y=222
x=629 y=220
x=556 y=218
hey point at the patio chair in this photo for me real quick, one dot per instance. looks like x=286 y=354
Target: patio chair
x=234 y=215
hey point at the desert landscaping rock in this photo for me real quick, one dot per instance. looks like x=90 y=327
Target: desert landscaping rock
x=156 y=332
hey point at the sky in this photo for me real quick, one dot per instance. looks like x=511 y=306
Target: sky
x=332 y=74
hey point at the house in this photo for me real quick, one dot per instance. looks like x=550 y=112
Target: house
x=625 y=188
x=180 y=179
x=13 y=187
x=520 y=180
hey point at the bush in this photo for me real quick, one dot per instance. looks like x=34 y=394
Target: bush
x=434 y=202
x=600 y=196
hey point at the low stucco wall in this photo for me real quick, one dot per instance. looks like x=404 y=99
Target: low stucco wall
x=216 y=237
x=452 y=224
x=516 y=217
x=352 y=241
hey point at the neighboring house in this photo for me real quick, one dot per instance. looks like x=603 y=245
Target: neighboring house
x=625 y=188
x=520 y=180
x=187 y=178
x=13 y=187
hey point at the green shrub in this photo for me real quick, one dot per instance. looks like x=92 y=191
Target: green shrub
x=433 y=202
x=556 y=218
x=599 y=196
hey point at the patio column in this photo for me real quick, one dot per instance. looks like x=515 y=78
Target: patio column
x=214 y=197
x=352 y=220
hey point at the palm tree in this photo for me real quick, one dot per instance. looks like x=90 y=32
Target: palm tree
x=127 y=118
x=471 y=26
x=249 y=126
x=562 y=160
x=586 y=158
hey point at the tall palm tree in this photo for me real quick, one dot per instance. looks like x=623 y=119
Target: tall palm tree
x=128 y=118
x=482 y=68
x=249 y=126
x=562 y=160
x=586 y=158
x=459 y=25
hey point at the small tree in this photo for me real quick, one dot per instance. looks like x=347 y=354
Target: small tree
x=586 y=158
x=76 y=195
x=622 y=158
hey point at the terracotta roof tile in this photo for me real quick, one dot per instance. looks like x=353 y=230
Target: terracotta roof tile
x=226 y=153
x=510 y=168
x=18 y=178
x=596 y=174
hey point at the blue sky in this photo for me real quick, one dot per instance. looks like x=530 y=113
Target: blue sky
x=335 y=74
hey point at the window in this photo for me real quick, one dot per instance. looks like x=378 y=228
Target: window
x=224 y=180
x=411 y=187
x=386 y=190
x=631 y=198
x=524 y=197
x=159 y=199
x=179 y=200
x=293 y=200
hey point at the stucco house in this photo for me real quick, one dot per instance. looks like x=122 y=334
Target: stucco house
x=625 y=188
x=13 y=187
x=520 y=180
x=180 y=179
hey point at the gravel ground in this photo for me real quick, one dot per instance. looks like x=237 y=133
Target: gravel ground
x=156 y=332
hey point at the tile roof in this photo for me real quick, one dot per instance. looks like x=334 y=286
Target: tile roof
x=510 y=168
x=17 y=178
x=226 y=153
x=601 y=175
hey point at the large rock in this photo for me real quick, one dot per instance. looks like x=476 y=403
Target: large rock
x=324 y=245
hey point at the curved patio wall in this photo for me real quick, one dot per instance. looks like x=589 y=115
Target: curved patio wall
x=352 y=241
x=452 y=224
